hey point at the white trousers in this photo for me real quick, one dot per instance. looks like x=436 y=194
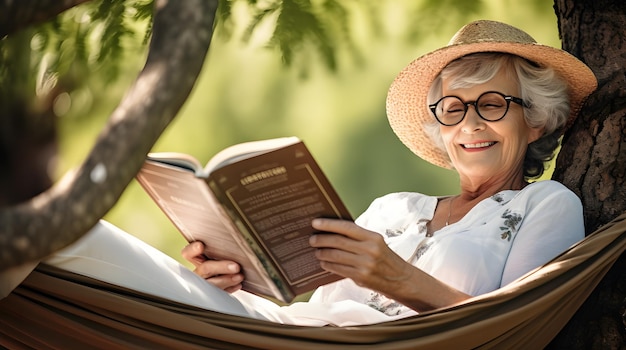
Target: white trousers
x=109 y=254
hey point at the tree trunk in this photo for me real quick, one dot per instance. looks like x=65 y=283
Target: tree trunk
x=592 y=161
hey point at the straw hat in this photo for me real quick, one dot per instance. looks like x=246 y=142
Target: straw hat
x=407 y=106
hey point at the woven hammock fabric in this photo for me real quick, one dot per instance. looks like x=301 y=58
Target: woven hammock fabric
x=56 y=309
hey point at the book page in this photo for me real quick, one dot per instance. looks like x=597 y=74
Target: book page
x=245 y=150
x=180 y=160
x=191 y=207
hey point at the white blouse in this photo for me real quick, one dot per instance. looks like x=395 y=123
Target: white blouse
x=499 y=240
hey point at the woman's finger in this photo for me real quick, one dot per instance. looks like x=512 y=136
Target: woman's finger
x=213 y=268
x=224 y=274
x=343 y=227
x=194 y=253
x=229 y=283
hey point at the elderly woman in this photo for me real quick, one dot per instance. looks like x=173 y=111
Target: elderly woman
x=491 y=105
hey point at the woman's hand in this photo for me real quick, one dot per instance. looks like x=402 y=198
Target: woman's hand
x=360 y=255
x=224 y=274
x=364 y=257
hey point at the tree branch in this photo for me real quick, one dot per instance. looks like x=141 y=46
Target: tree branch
x=15 y=15
x=181 y=37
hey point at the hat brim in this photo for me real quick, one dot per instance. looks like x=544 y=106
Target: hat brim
x=407 y=106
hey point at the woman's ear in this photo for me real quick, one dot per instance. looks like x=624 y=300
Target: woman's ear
x=534 y=134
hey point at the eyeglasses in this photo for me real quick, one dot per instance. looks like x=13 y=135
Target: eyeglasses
x=490 y=106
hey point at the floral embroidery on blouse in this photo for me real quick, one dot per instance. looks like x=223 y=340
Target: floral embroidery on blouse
x=421 y=229
x=393 y=232
x=511 y=221
x=498 y=198
x=383 y=304
x=422 y=248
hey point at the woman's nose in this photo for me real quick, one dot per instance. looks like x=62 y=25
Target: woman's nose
x=472 y=121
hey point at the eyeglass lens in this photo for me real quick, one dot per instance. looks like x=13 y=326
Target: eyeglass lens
x=491 y=106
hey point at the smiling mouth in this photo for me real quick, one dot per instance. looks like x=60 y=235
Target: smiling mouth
x=478 y=145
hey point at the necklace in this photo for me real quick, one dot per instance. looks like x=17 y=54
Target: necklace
x=449 y=210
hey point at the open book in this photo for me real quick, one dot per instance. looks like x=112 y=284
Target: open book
x=252 y=203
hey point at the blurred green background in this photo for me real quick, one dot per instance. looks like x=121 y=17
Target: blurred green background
x=246 y=92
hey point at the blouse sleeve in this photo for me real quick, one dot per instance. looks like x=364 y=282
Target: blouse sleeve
x=553 y=223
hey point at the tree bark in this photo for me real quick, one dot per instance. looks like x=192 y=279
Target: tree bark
x=592 y=161
x=182 y=33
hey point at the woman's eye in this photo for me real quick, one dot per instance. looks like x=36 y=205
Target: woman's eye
x=491 y=104
x=455 y=108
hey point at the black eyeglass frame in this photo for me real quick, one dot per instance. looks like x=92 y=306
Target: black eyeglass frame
x=507 y=98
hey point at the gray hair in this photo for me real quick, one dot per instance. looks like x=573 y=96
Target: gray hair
x=540 y=87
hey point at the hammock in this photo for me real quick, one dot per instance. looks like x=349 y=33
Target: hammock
x=54 y=308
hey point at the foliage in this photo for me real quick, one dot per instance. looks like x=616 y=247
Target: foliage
x=88 y=38
x=298 y=24
x=115 y=22
x=305 y=29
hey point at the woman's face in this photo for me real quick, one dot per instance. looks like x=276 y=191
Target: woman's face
x=482 y=150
